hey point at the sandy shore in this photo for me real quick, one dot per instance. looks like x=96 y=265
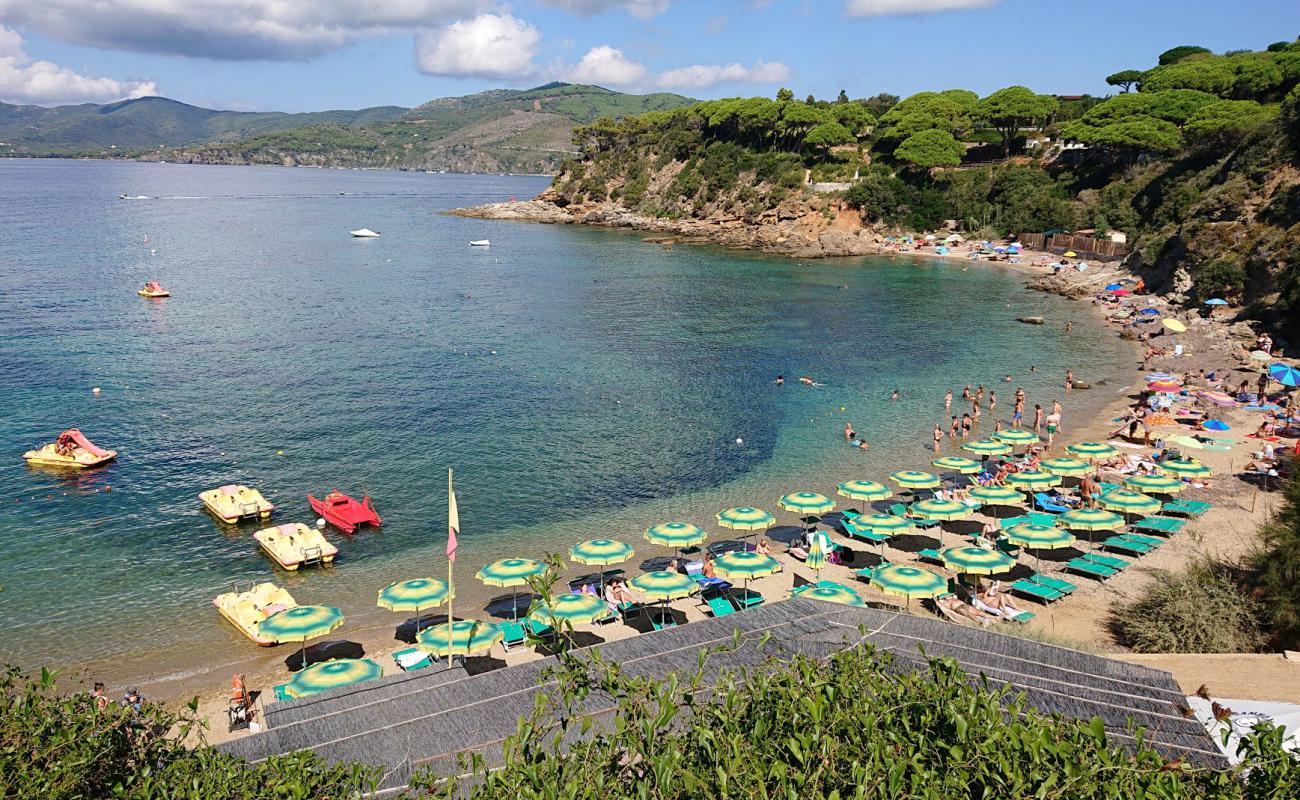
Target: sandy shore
x=1081 y=620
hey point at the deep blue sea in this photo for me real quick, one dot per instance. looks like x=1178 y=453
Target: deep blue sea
x=581 y=382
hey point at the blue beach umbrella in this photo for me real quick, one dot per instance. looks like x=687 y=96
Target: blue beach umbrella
x=1216 y=425
x=1150 y=312
x=1216 y=301
x=1110 y=287
x=1284 y=374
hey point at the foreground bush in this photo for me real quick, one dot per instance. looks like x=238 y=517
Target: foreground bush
x=54 y=747
x=1200 y=610
x=854 y=727
x=1277 y=570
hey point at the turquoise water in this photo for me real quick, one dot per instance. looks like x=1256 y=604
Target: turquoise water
x=581 y=382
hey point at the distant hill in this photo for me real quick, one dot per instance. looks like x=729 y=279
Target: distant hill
x=500 y=130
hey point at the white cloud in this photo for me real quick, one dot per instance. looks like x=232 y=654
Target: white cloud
x=228 y=29
x=23 y=80
x=608 y=66
x=487 y=46
x=881 y=8
x=641 y=9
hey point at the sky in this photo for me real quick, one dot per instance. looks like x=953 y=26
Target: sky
x=308 y=55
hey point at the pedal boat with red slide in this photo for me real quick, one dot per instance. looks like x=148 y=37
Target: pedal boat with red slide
x=344 y=512
x=72 y=449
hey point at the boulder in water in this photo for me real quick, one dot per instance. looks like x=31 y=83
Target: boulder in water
x=1031 y=320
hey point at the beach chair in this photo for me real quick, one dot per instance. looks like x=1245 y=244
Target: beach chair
x=900 y=510
x=1035 y=591
x=1124 y=545
x=864 y=574
x=513 y=634
x=1187 y=508
x=719 y=604
x=281 y=693
x=1022 y=617
x=1045 y=503
x=1056 y=584
x=1117 y=564
x=1042 y=518
x=1011 y=522
x=854 y=532
x=1110 y=487
x=1165 y=525
x=1003 y=546
x=409 y=659
x=539 y=630
x=663 y=620
x=1150 y=541
x=746 y=598
x=1092 y=569
x=929 y=554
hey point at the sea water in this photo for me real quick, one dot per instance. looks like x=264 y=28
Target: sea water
x=582 y=383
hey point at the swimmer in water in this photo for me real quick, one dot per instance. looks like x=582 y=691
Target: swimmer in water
x=806 y=381
x=780 y=380
x=894 y=396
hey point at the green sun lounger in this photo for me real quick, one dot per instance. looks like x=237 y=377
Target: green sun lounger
x=539 y=630
x=1056 y=584
x=864 y=574
x=1150 y=541
x=855 y=532
x=1125 y=545
x=427 y=661
x=1042 y=594
x=281 y=696
x=900 y=510
x=746 y=598
x=929 y=554
x=1166 y=525
x=719 y=604
x=512 y=634
x=663 y=620
x=1117 y=564
x=1110 y=487
x=1090 y=568
x=1041 y=518
x=1012 y=522
x=1187 y=508
x=1022 y=617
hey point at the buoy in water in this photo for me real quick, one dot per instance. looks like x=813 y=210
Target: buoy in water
x=320 y=522
x=739 y=440
x=95 y=390
x=279 y=452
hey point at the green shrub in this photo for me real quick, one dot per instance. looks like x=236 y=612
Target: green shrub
x=1200 y=610
x=1221 y=277
x=1277 y=570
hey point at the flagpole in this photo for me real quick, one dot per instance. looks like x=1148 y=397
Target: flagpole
x=451 y=561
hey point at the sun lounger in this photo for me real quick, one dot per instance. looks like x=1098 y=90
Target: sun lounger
x=1187 y=508
x=1149 y=541
x=1125 y=545
x=412 y=658
x=900 y=510
x=1166 y=525
x=513 y=634
x=1022 y=617
x=854 y=532
x=929 y=554
x=1036 y=591
x=1042 y=518
x=1117 y=564
x=539 y=630
x=1059 y=584
x=1012 y=522
x=1003 y=546
x=1090 y=568
x=746 y=598
x=864 y=574
x=1045 y=503
x=719 y=604
x=1110 y=487
x=282 y=696
x=663 y=620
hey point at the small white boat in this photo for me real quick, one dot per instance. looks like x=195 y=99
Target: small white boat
x=364 y=233
x=481 y=243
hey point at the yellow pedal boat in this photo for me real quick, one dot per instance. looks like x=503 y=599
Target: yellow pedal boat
x=153 y=290
x=72 y=449
x=234 y=502
x=246 y=610
x=294 y=544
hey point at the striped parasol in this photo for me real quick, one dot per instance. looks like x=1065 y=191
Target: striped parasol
x=510 y=572
x=1015 y=436
x=745 y=565
x=601 y=552
x=830 y=594
x=414 y=594
x=914 y=479
x=1183 y=467
x=976 y=560
x=881 y=523
x=464 y=637
x=1065 y=467
x=1034 y=479
x=1092 y=451
x=1155 y=484
x=997 y=496
x=299 y=624
x=1038 y=537
x=1165 y=387
x=744 y=518
x=675 y=534
x=806 y=503
x=1129 y=502
x=987 y=447
x=331 y=675
x=1090 y=519
x=908 y=582
x=1284 y=374
x=867 y=491
x=965 y=466
x=575 y=609
x=816 y=560
x=941 y=510
x=664 y=585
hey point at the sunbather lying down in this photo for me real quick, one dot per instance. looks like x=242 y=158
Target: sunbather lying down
x=990 y=599
x=953 y=603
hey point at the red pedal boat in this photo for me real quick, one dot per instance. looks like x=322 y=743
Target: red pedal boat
x=345 y=513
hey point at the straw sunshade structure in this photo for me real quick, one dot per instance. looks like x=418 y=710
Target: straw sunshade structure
x=1015 y=436
x=601 y=552
x=976 y=560
x=806 y=503
x=997 y=496
x=464 y=637
x=1154 y=484
x=915 y=479
x=1034 y=479
x=575 y=609
x=331 y=675
x=1183 y=468
x=511 y=573
x=675 y=534
x=301 y=623
x=866 y=491
x=830 y=594
x=965 y=466
x=908 y=582
x=1093 y=451
x=1129 y=502
x=744 y=518
x=414 y=595
x=1065 y=467
x=987 y=447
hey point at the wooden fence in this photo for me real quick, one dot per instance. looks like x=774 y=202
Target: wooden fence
x=1083 y=245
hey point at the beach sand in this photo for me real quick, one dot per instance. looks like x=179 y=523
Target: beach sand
x=1228 y=532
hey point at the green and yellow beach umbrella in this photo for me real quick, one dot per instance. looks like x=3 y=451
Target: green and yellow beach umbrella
x=997 y=496
x=976 y=560
x=965 y=466
x=1065 y=467
x=675 y=534
x=816 y=560
x=882 y=523
x=601 y=552
x=866 y=491
x=806 y=503
x=745 y=565
x=464 y=637
x=1015 y=436
x=331 y=675
x=987 y=447
x=1034 y=479
x=942 y=510
x=829 y=594
x=915 y=479
x=908 y=582
x=744 y=518
x=1090 y=519
x=414 y=594
x=510 y=572
x=575 y=609
x=664 y=585
x=1092 y=451
x=1154 y=484
x=1183 y=467
x=1038 y=537
x=300 y=624
x=1129 y=502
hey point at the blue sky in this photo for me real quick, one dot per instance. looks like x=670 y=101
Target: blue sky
x=305 y=55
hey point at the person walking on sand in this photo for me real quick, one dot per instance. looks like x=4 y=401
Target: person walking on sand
x=947 y=401
x=1053 y=425
x=938 y=437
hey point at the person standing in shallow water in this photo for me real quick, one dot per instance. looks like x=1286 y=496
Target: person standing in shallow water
x=938 y=437
x=1069 y=379
x=947 y=401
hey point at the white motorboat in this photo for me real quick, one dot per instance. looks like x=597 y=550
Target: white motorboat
x=364 y=233
x=481 y=243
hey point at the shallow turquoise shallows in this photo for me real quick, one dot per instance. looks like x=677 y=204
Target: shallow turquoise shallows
x=582 y=383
